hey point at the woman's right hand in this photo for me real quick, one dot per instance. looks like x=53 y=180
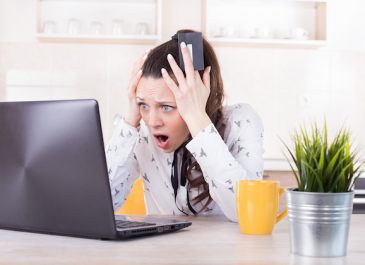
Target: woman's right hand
x=133 y=114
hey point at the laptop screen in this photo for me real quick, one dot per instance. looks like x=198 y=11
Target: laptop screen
x=53 y=175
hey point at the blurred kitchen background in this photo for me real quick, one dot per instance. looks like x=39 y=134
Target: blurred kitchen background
x=295 y=62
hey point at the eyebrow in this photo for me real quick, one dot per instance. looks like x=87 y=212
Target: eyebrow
x=159 y=102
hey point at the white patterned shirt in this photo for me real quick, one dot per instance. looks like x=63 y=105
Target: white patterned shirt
x=132 y=152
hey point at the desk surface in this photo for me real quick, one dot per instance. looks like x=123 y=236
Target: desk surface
x=210 y=240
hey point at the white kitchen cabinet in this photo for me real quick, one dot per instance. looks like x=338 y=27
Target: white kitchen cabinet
x=288 y=23
x=105 y=21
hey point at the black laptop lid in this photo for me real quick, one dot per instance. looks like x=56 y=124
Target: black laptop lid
x=53 y=175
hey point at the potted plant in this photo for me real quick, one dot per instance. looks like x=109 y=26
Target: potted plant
x=319 y=210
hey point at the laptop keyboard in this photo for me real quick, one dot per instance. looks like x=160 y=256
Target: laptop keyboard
x=129 y=224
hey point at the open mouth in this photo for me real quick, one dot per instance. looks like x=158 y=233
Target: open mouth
x=161 y=140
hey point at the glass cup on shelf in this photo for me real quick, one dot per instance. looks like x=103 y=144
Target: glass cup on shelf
x=74 y=26
x=117 y=27
x=142 y=28
x=229 y=32
x=247 y=33
x=49 y=27
x=96 y=28
x=281 y=34
x=299 y=34
x=216 y=33
x=263 y=33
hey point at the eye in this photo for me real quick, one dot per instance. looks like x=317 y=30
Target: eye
x=143 y=106
x=167 y=108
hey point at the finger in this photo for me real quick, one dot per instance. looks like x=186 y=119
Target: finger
x=138 y=65
x=206 y=77
x=176 y=69
x=188 y=63
x=134 y=83
x=170 y=83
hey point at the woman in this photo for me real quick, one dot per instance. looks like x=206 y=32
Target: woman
x=188 y=148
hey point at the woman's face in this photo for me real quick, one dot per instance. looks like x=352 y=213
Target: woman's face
x=159 y=112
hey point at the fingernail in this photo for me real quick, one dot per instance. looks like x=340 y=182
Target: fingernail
x=140 y=71
x=183 y=45
x=169 y=56
x=163 y=70
x=209 y=68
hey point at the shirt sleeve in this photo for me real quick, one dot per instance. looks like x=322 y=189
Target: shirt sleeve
x=122 y=163
x=224 y=163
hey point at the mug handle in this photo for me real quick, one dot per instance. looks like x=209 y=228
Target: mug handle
x=285 y=212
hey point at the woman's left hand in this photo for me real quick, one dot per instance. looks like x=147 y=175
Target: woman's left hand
x=191 y=93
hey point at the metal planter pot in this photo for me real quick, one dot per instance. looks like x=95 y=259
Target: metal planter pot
x=319 y=222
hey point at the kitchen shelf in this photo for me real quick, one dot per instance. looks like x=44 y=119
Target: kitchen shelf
x=267 y=43
x=266 y=23
x=99 y=21
x=125 y=39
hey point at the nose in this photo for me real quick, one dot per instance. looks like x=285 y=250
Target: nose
x=154 y=119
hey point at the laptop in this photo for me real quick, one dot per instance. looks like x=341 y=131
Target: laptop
x=53 y=174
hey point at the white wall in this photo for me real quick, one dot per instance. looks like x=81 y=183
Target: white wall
x=286 y=86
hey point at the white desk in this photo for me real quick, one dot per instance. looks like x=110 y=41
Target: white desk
x=210 y=240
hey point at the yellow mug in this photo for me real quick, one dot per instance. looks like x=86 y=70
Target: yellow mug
x=257 y=206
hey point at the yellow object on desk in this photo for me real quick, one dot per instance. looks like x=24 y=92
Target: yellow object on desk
x=135 y=201
x=257 y=206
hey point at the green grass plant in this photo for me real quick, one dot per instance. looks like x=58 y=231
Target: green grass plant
x=323 y=166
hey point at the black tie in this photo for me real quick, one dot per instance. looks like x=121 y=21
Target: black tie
x=174 y=173
x=175 y=178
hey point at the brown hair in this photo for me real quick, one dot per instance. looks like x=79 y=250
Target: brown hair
x=157 y=59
